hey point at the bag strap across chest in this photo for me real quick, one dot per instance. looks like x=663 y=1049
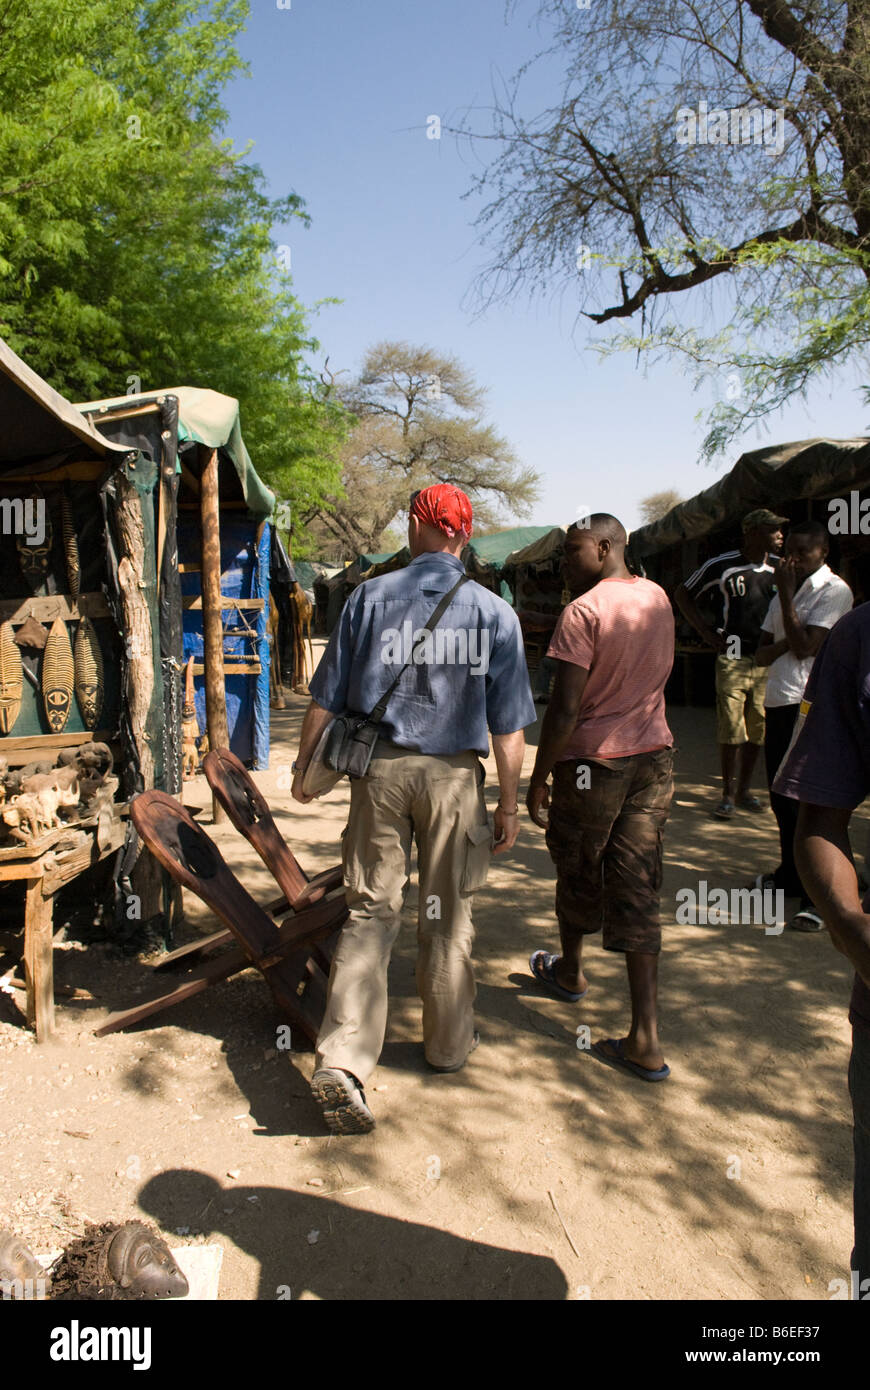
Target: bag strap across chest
x=380 y=708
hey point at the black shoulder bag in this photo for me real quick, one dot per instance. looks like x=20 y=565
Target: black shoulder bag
x=351 y=740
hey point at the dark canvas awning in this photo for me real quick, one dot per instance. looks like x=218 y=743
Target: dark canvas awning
x=37 y=421
x=770 y=477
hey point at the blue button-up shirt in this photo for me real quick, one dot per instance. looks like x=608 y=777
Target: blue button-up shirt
x=470 y=674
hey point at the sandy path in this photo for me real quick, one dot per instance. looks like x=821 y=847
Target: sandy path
x=732 y=1180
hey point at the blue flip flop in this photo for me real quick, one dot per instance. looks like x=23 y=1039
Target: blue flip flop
x=541 y=966
x=623 y=1062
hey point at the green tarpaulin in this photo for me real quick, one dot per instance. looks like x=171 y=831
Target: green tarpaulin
x=212 y=419
x=495 y=549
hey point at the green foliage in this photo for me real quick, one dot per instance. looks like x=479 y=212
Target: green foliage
x=134 y=240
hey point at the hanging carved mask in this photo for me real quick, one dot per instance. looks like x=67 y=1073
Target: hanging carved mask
x=57 y=677
x=71 y=547
x=34 y=546
x=11 y=678
x=88 y=674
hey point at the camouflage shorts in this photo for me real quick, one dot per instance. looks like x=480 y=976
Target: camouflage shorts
x=605 y=838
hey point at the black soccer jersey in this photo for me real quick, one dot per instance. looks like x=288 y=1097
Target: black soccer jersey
x=743 y=591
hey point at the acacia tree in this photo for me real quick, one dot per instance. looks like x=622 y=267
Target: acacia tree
x=658 y=504
x=418 y=420
x=615 y=191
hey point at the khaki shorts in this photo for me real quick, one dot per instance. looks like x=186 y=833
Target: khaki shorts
x=740 y=690
x=605 y=838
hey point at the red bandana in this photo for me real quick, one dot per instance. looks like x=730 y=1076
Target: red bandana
x=445 y=507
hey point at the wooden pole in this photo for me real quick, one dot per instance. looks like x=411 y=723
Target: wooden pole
x=141 y=657
x=212 y=619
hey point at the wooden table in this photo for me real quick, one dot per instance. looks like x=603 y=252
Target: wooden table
x=46 y=865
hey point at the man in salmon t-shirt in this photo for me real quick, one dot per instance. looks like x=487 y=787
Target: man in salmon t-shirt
x=606 y=741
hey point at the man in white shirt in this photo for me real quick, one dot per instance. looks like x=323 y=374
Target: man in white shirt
x=809 y=601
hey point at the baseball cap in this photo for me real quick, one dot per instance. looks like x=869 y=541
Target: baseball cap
x=763 y=517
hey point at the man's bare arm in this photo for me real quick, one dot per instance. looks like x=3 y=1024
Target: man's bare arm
x=508 y=750
x=802 y=641
x=557 y=729
x=824 y=859
x=768 y=650
x=693 y=615
x=315 y=721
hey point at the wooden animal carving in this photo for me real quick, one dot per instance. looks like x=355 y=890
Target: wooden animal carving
x=189 y=727
x=11 y=678
x=57 y=677
x=22 y=817
x=88 y=674
x=59 y=778
x=276 y=689
x=71 y=549
x=304 y=614
x=34 y=813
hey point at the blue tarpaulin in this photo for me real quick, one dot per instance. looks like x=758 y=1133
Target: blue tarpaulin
x=244 y=575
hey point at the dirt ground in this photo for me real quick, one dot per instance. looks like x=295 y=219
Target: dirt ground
x=536 y=1172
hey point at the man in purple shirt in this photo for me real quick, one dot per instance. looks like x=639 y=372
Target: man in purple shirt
x=827 y=768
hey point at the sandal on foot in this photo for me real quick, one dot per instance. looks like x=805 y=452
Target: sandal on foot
x=725 y=809
x=342 y=1101
x=624 y=1063
x=541 y=965
x=807 y=920
x=748 y=802
x=764 y=883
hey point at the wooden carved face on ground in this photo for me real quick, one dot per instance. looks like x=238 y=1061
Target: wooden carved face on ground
x=142 y=1263
x=128 y=1262
x=19 y=1267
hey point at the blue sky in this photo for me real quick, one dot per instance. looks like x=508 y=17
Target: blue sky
x=336 y=108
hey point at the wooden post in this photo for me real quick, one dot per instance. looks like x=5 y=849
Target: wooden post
x=137 y=623
x=212 y=618
x=38 y=959
x=142 y=658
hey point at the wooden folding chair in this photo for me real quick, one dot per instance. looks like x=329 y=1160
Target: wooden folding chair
x=249 y=812
x=289 y=955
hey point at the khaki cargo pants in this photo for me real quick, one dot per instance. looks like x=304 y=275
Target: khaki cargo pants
x=438 y=800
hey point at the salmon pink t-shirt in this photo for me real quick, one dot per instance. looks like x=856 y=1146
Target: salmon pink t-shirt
x=622 y=632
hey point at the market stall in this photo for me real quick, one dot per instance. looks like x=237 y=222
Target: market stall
x=81 y=696
x=212 y=520
x=813 y=479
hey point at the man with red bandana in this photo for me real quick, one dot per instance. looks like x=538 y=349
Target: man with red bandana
x=467 y=682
